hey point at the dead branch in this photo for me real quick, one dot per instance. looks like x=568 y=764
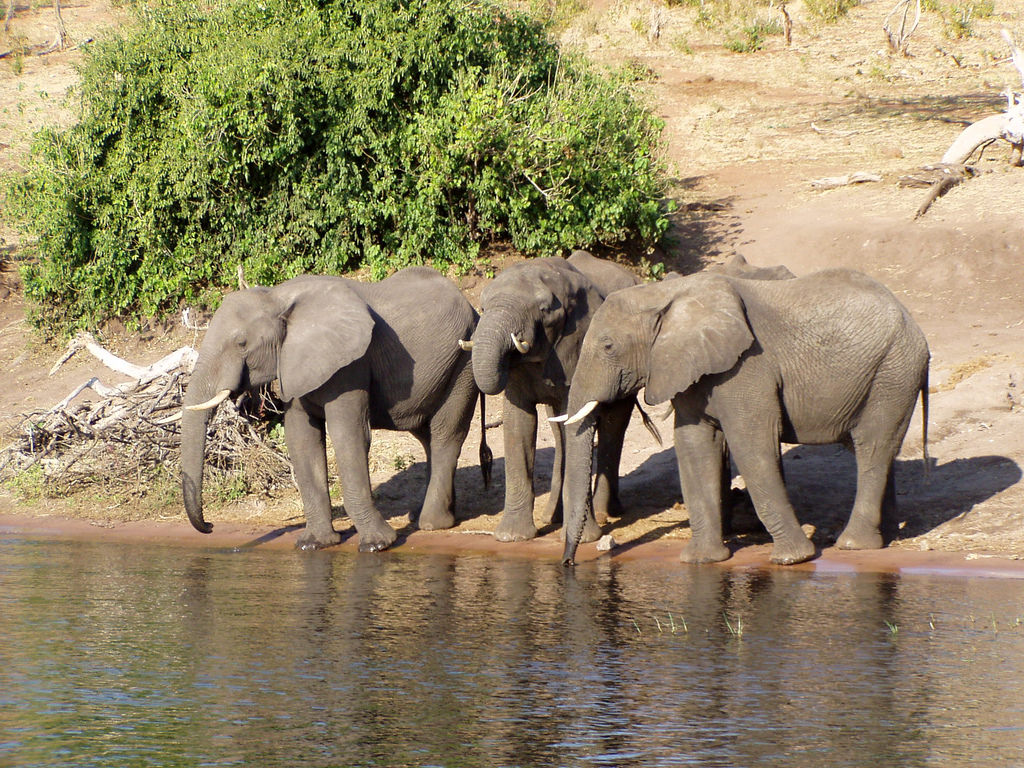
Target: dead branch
x=1008 y=126
x=897 y=32
x=939 y=179
x=128 y=433
x=832 y=182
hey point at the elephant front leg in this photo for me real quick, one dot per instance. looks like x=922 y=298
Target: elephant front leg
x=758 y=458
x=304 y=434
x=611 y=432
x=349 y=423
x=700 y=454
x=520 y=438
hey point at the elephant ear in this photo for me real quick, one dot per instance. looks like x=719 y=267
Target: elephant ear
x=580 y=299
x=328 y=326
x=702 y=330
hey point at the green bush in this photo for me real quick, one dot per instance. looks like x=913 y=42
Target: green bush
x=294 y=136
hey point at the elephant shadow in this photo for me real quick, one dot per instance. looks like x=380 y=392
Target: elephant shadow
x=402 y=493
x=821 y=481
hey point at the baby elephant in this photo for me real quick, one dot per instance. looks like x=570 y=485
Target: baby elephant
x=830 y=357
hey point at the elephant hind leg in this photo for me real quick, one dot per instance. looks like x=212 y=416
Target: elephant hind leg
x=875 y=444
x=442 y=441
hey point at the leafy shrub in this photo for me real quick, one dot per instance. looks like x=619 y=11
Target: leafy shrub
x=294 y=136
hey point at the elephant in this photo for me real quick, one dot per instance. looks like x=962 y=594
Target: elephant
x=533 y=318
x=351 y=357
x=829 y=357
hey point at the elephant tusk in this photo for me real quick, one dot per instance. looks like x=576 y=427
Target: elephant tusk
x=559 y=419
x=465 y=345
x=522 y=346
x=213 y=402
x=582 y=413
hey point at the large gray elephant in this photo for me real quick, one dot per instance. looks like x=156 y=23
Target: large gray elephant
x=350 y=356
x=830 y=357
x=534 y=316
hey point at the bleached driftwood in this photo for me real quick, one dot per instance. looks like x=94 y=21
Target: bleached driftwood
x=1008 y=126
x=129 y=431
x=832 y=182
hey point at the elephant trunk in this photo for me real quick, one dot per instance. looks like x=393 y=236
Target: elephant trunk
x=193 y=447
x=579 y=469
x=492 y=345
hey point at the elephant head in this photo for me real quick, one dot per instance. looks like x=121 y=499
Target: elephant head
x=300 y=332
x=662 y=338
x=535 y=311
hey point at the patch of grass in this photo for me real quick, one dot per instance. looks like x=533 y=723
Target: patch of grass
x=830 y=11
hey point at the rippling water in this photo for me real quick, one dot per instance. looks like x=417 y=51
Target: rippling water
x=128 y=655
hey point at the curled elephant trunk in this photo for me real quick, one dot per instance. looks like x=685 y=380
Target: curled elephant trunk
x=492 y=344
x=200 y=403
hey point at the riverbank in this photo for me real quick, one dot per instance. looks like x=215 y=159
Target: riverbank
x=746 y=135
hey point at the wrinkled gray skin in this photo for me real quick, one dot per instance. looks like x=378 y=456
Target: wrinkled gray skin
x=830 y=357
x=548 y=304
x=348 y=356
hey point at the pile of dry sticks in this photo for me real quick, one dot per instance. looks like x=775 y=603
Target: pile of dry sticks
x=123 y=436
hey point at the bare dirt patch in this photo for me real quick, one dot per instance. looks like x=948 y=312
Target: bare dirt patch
x=746 y=134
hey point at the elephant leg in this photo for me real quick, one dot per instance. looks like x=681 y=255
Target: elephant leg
x=699 y=453
x=348 y=419
x=304 y=434
x=611 y=432
x=553 y=511
x=448 y=430
x=875 y=445
x=759 y=460
x=520 y=438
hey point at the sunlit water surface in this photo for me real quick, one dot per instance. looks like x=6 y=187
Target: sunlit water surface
x=127 y=655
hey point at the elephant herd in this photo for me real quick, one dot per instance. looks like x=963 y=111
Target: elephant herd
x=748 y=357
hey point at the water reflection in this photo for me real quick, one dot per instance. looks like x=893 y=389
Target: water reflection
x=115 y=655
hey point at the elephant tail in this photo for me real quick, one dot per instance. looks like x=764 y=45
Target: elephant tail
x=924 y=423
x=486 y=456
x=649 y=423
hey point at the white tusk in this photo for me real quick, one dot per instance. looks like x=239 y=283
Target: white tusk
x=582 y=413
x=521 y=345
x=213 y=402
x=559 y=419
x=465 y=345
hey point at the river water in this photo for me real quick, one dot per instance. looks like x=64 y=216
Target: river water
x=121 y=654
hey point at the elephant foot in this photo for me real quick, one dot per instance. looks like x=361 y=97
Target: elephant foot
x=435 y=521
x=377 y=540
x=695 y=552
x=310 y=541
x=865 y=537
x=790 y=553
x=515 y=528
x=552 y=515
x=591 y=531
x=610 y=508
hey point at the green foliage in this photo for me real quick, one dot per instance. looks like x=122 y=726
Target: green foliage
x=830 y=11
x=958 y=17
x=293 y=136
x=751 y=36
